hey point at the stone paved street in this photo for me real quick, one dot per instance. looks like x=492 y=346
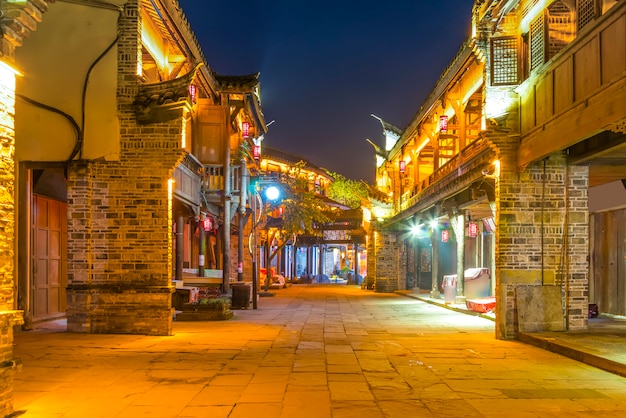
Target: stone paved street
x=310 y=351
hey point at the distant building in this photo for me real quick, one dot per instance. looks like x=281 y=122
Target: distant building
x=335 y=248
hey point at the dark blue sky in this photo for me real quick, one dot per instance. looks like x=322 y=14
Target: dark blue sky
x=326 y=66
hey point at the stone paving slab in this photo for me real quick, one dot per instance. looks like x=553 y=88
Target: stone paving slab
x=310 y=351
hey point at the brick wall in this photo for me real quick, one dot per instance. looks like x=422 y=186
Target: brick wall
x=542 y=237
x=18 y=22
x=120 y=240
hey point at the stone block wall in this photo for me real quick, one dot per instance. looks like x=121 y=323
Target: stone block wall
x=390 y=256
x=119 y=244
x=119 y=216
x=542 y=238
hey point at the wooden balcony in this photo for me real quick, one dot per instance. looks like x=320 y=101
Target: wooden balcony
x=213 y=181
x=579 y=93
x=458 y=173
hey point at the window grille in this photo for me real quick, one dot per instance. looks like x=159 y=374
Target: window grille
x=504 y=68
x=537 y=42
x=586 y=10
x=560 y=27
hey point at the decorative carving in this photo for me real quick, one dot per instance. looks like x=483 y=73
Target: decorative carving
x=618 y=127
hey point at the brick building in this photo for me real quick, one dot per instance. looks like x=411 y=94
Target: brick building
x=495 y=171
x=118 y=141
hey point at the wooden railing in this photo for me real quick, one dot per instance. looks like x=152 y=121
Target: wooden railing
x=213 y=179
x=453 y=168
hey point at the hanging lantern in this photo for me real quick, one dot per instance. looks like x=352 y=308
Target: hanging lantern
x=473 y=229
x=245 y=129
x=443 y=123
x=193 y=93
x=207 y=224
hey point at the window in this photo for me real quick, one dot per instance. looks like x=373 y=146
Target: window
x=550 y=32
x=586 y=10
x=537 y=42
x=504 y=67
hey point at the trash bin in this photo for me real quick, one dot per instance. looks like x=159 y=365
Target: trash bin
x=241 y=296
x=449 y=288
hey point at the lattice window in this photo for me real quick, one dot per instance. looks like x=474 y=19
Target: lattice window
x=561 y=30
x=587 y=11
x=537 y=42
x=504 y=66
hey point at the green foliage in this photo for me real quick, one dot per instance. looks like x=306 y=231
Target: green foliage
x=347 y=191
x=242 y=152
x=303 y=211
x=218 y=304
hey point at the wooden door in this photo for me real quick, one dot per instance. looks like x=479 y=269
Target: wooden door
x=608 y=261
x=49 y=263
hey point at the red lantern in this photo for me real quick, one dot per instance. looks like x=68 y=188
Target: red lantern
x=473 y=229
x=207 y=224
x=443 y=123
x=245 y=129
x=193 y=92
x=445 y=235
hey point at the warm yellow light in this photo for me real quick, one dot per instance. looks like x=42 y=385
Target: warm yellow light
x=8 y=67
x=496 y=164
x=532 y=14
x=152 y=45
x=170 y=223
x=183 y=134
x=7 y=97
x=421 y=146
x=367 y=215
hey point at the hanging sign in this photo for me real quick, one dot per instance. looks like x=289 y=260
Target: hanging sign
x=445 y=235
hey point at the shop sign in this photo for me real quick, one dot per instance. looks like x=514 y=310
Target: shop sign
x=445 y=235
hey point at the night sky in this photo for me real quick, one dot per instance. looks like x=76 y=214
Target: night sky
x=326 y=66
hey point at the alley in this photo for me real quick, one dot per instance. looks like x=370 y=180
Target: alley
x=310 y=351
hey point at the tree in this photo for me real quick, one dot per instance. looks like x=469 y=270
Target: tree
x=300 y=211
x=347 y=191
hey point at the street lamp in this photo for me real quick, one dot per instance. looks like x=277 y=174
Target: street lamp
x=272 y=193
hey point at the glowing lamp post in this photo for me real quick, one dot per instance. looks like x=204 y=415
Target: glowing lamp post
x=272 y=193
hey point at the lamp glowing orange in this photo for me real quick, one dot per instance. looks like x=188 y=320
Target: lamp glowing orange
x=443 y=123
x=245 y=129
